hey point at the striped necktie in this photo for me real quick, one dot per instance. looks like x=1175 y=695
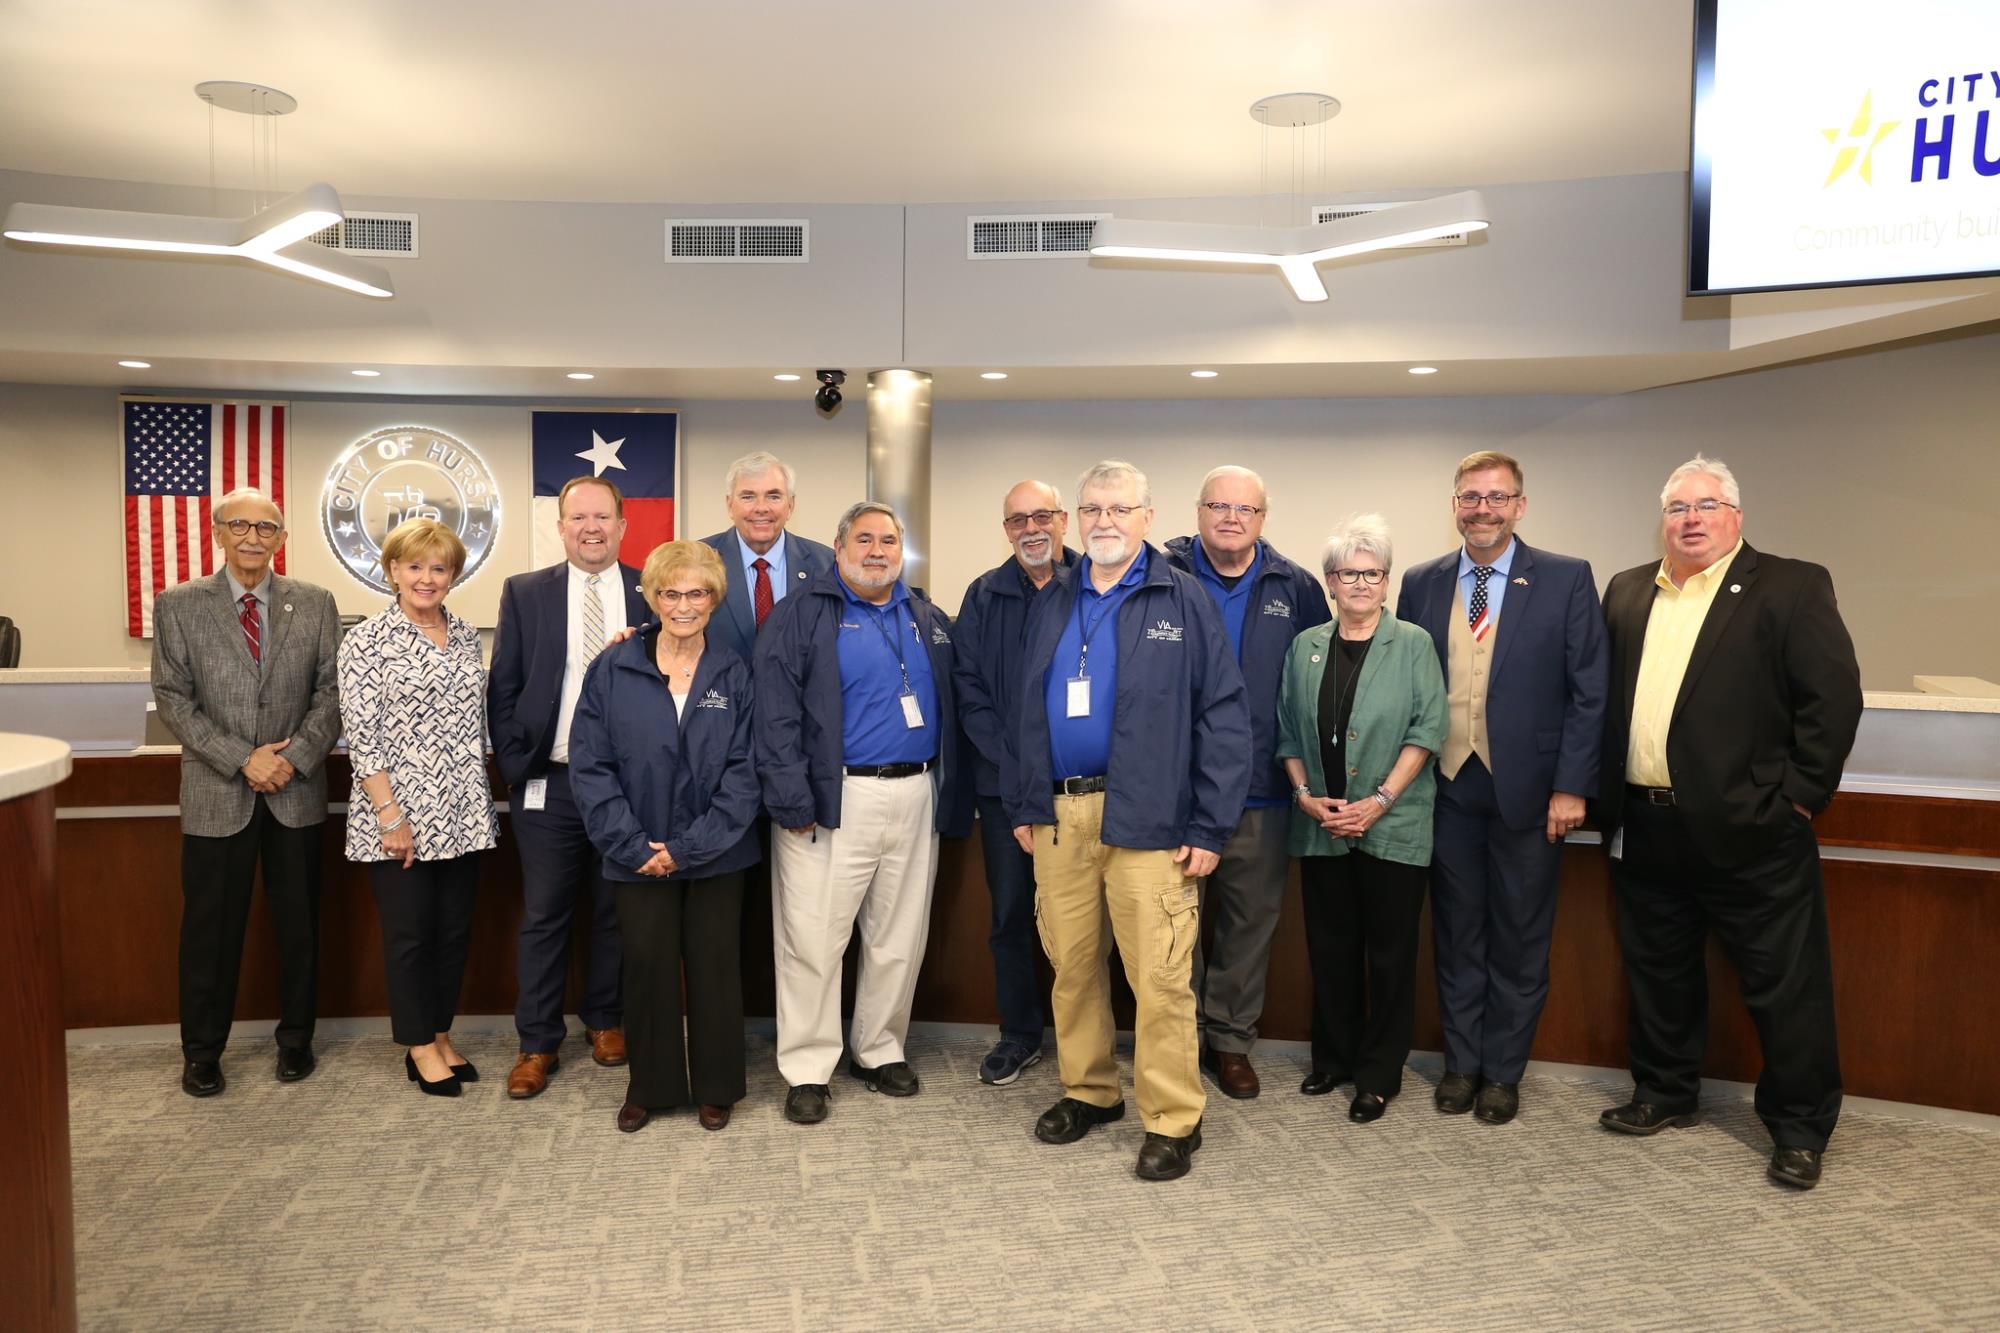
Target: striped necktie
x=253 y=628
x=593 y=620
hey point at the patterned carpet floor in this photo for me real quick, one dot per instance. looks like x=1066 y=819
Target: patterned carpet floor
x=349 y=1201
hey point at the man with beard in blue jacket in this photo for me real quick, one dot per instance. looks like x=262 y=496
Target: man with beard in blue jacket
x=856 y=745
x=1265 y=601
x=1130 y=764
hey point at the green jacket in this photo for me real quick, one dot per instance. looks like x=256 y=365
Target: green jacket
x=1399 y=701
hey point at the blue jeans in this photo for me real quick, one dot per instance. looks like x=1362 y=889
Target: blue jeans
x=1010 y=881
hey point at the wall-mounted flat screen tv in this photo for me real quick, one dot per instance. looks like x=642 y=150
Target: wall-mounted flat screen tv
x=1842 y=142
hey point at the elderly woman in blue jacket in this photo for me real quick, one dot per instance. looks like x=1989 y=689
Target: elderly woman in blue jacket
x=660 y=763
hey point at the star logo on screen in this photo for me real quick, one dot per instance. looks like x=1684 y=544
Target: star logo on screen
x=1856 y=144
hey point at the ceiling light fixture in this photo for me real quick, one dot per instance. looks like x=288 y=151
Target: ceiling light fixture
x=136 y=365
x=580 y=375
x=786 y=379
x=365 y=374
x=1423 y=370
x=1203 y=374
x=993 y=374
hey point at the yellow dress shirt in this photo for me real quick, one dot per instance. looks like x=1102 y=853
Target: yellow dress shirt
x=1671 y=630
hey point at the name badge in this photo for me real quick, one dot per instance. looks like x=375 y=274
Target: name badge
x=913 y=713
x=536 y=795
x=1079 y=696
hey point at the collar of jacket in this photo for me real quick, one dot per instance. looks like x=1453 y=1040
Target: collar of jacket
x=1004 y=580
x=828 y=583
x=1387 y=629
x=1180 y=550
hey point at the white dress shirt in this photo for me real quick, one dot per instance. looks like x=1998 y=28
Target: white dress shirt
x=579 y=657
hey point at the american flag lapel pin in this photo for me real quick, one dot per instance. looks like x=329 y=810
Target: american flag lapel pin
x=1736 y=587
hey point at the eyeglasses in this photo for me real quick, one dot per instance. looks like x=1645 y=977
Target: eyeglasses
x=1119 y=513
x=695 y=597
x=1041 y=518
x=1371 y=577
x=1223 y=510
x=1497 y=500
x=1678 y=509
x=238 y=526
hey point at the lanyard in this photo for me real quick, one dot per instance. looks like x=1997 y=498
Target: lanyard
x=895 y=642
x=1089 y=631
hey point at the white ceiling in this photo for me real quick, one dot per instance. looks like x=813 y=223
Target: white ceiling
x=885 y=101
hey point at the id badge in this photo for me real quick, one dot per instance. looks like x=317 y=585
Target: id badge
x=1079 y=696
x=913 y=713
x=537 y=794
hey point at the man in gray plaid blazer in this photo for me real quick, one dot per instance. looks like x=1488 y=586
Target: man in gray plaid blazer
x=244 y=676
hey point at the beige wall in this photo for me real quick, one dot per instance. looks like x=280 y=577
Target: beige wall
x=1875 y=464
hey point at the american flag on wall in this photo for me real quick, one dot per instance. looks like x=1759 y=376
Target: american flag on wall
x=180 y=457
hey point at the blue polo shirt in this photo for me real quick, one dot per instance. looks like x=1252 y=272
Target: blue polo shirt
x=1496 y=582
x=877 y=645
x=1234 y=603
x=1080 y=747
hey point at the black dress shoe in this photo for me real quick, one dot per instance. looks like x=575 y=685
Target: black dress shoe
x=1069 y=1120
x=891 y=1080
x=806 y=1104
x=1319 y=1083
x=1498 y=1103
x=201 y=1078
x=444 y=1087
x=1455 y=1093
x=1797 y=1167
x=1367 y=1107
x=1646 y=1118
x=1163 y=1158
x=294 y=1063
x=465 y=1073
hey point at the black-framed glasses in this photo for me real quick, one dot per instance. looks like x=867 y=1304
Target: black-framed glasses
x=1371 y=577
x=1681 y=509
x=239 y=526
x=1223 y=509
x=1091 y=513
x=695 y=597
x=1493 y=500
x=1041 y=518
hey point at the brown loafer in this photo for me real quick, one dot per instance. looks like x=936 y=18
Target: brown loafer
x=531 y=1075
x=712 y=1117
x=607 y=1046
x=1233 y=1073
x=632 y=1118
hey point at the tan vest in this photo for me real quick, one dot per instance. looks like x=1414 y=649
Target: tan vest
x=1469 y=664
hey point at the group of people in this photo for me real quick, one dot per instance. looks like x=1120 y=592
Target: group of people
x=1150 y=735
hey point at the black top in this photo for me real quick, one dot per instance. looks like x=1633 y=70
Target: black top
x=1336 y=706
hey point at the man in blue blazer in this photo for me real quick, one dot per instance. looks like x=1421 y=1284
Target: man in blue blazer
x=553 y=623
x=1521 y=639
x=765 y=563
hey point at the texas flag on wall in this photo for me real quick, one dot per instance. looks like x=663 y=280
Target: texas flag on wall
x=637 y=450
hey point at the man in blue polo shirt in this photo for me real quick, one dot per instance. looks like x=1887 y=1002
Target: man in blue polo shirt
x=1130 y=763
x=1265 y=601
x=856 y=735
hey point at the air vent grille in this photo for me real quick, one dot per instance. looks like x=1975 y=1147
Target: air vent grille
x=1336 y=212
x=1036 y=236
x=738 y=241
x=386 y=235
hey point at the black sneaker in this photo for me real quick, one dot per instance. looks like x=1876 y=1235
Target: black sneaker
x=807 y=1103
x=891 y=1080
x=1069 y=1120
x=1163 y=1158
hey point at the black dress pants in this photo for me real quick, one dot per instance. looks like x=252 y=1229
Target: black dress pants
x=1770 y=917
x=1361 y=916
x=217 y=875
x=671 y=928
x=426 y=916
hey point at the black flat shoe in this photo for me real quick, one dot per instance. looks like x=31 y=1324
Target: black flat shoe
x=294 y=1063
x=1163 y=1158
x=1069 y=1120
x=1455 y=1093
x=1797 y=1167
x=1367 y=1107
x=444 y=1087
x=1319 y=1083
x=1646 y=1118
x=465 y=1073
x=201 y=1078
x=1498 y=1103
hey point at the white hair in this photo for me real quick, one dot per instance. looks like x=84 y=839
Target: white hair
x=1111 y=472
x=752 y=465
x=246 y=493
x=1231 y=470
x=1713 y=467
x=1351 y=536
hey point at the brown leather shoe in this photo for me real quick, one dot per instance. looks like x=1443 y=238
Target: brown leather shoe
x=607 y=1045
x=712 y=1117
x=632 y=1118
x=531 y=1075
x=1233 y=1074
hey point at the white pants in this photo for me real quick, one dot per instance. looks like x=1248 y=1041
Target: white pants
x=878 y=868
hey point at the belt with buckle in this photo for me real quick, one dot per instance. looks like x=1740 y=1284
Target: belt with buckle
x=1651 y=795
x=887 y=770
x=1078 y=786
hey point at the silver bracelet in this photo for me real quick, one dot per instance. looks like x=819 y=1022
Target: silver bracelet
x=385 y=805
x=401 y=819
x=1385 y=796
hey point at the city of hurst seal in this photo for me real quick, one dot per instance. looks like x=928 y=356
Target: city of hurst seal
x=404 y=472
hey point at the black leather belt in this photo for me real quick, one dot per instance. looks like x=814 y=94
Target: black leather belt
x=1078 y=786
x=1650 y=795
x=888 y=770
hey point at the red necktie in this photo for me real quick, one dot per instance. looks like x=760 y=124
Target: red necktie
x=761 y=595
x=253 y=628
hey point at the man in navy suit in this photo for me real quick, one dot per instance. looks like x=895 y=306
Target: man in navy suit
x=1526 y=693
x=764 y=562
x=553 y=623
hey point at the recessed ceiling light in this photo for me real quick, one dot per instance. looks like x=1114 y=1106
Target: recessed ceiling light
x=1423 y=370
x=581 y=375
x=136 y=365
x=993 y=374
x=1204 y=374
x=365 y=374
x=785 y=378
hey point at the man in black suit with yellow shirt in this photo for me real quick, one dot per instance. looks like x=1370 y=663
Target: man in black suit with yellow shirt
x=1735 y=699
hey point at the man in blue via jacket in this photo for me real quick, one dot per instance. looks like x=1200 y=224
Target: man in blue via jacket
x=1130 y=763
x=1265 y=601
x=856 y=745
